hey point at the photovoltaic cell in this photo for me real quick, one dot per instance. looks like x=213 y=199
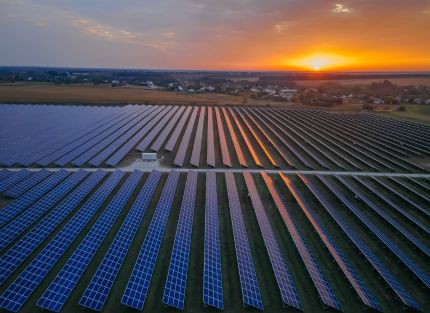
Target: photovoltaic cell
x=24 y=285
x=357 y=284
x=248 y=278
x=176 y=282
x=26 y=184
x=5 y=174
x=195 y=154
x=15 y=228
x=60 y=288
x=14 y=179
x=212 y=271
x=283 y=277
x=14 y=257
x=98 y=290
x=325 y=292
x=395 y=285
x=138 y=284
x=18 y=205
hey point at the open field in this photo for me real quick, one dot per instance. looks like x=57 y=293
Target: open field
x=416 y=113
x=357 y=82
x=230 y=276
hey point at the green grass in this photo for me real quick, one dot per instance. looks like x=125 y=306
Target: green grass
x=415 y=113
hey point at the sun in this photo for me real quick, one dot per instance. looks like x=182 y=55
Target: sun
x=319 y=61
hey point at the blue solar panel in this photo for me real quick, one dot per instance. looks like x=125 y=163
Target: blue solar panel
x=24 y=285
x=395 y=285
x=11 y=231
x=27 y=244
x=60 y=288
x=391 y=245
x=325 y=292
x=166 y=131
x=27 y=184
x=360 y=288
x=5 y=174
x=210 y=140
x=176 y=282
x=138 y=284
x=283 y=277
x=98 y=290
x=195 y=154
x=134 y=134
x=14 y=179
x=29 y=197
x=170 y=145
x=183 y=146
x=222 y=139
x=251 y=295
x=212 y=271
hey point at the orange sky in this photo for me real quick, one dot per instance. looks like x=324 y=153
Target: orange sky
x=217 y=35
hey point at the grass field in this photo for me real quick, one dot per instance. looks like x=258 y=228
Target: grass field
x=416 y=113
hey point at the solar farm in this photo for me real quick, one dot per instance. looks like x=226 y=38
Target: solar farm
x=246 y=209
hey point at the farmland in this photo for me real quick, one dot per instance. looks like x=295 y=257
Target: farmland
x=248 y=208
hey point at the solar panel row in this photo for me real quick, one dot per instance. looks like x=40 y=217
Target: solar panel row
x=183 y=146
x=24 y=285
x=176 y=281
x=357 y=284
x=325 y=292
x=10 y=261
x=223 y=141
x=171 y=143
x=60 y=288
x=166 y=130
x=389 y=278
x=195 y=154
x=283 y=277
x=210 y=140
x=18 y=205
x=26 y=184
x=212 y=272
x=140 y=278
x=251 y=295
x=14 y=179
x=96 y=293
x=16 y=227
x=233 y=137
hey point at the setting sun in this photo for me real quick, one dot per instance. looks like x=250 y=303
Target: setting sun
x=320 y=61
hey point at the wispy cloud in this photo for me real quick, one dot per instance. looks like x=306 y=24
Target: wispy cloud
x=340 y=9
x=92 y=28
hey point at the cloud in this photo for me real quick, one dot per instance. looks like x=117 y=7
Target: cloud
x=170 y=35
x=95 y=29
x=340 y=9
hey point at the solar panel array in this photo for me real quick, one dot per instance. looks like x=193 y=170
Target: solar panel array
x=233 y=136
x=325 y=292
x=251 y=295
x=357 y=284
x=195 y=154
x=26 y=184
x=14 y=179
x=28 y=243
x=166 y=130
x=223 y=141
x=212 y=271
x=98 y=290
x=60 y=288
x=176 y=281
x=183 y=146
x=210 y=140
x=140 y=278
x=171 y=143
x=14 y=297
x=283 y=277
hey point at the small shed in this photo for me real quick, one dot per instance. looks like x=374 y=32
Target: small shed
x=149 y=156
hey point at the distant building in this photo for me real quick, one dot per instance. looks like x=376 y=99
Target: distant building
x=149 y=156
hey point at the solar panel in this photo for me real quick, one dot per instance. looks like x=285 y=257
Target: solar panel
x=166 y=130
x=5 y=174
x=233 y=136
x=18 y=205
x=110 y=139
x=138 y=283
x=212 y=272
x=158 y=126
x=248 y=277
x=210 y=140
x=325 y=292
x=246 y=139
x=195 y=154
x=114 y=126
x=14 y=179
x=11 y=231
x=10 y=261
x=357 y=284
x=171 y=143
x=135 y=133
x=183 y=146
x=388 y=277
x=98 y=290
x=407 y=185
x=24 y=285
x=391 y=245
x=176 y=281
x=223 y=141
x=283 y=277
x=257 y=137
x=60 y=288
x=26 y=184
